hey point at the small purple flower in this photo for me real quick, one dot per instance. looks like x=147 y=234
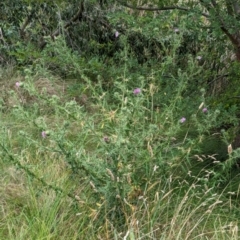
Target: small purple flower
x=18 y=84
x=116 y=34
x=176 y=30
x=205 y=110
x=182 y=120
x=44 y=134
x=136 y=91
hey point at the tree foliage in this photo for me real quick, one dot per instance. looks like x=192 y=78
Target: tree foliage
x=220 y=15
x=147 y=33
x=30 y=21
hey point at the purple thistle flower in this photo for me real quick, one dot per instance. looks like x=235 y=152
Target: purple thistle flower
x=182 y=120
x=176 y=30
x=44 y=135
x=116 y=34
x=205 y=110
x=17 y=84
x=136 y=91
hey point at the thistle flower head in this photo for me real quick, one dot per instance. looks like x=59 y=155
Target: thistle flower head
x=45 y=134
x=106 y=139
x=182 y=120
x=136 y=91
x=18 y=84
x=176 y=30
x=116 y=34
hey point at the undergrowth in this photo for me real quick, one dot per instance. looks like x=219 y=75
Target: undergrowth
x=85 y=160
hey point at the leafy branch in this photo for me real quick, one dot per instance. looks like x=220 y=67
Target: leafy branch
x=211 y=7
x=158 y=8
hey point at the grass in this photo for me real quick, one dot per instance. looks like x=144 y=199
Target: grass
x=112 y=166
